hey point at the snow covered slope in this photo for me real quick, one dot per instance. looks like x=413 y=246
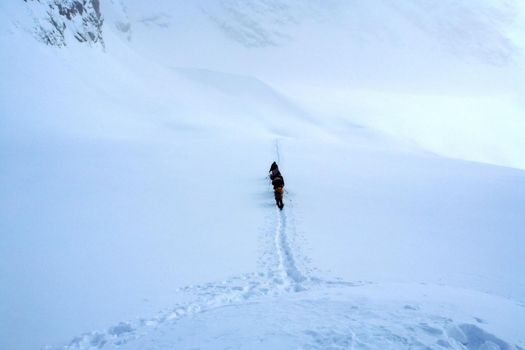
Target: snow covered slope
x=459 y=64
x=134 y=208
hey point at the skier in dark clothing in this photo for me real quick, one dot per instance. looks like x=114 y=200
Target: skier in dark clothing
x=278 y=185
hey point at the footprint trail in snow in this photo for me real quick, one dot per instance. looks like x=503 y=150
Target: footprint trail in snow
x=283 y=306
x=289 y=271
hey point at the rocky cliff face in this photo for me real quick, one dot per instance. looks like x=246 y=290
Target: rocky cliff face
x=57 y=22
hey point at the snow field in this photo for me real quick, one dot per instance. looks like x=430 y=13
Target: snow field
x=134 y=204
x=283 y=307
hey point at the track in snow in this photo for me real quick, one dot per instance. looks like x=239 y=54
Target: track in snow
x=287 y=267
x=289 y=271
x=335 y=322
x=284 y=277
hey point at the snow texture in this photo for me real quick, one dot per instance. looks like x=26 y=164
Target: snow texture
x=135 y=208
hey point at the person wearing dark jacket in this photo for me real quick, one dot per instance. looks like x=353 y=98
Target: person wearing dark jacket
x=278 y=185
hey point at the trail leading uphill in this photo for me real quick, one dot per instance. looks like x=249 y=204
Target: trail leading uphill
x=287 y=266
x=128 y=172
x=280 y=275
x=289 y=271
x=283 y=306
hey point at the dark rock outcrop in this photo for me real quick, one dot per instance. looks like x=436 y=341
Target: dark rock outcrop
x=57 y=20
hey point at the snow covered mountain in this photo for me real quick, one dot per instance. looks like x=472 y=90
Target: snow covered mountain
x=444 y=60
x=135 y=138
